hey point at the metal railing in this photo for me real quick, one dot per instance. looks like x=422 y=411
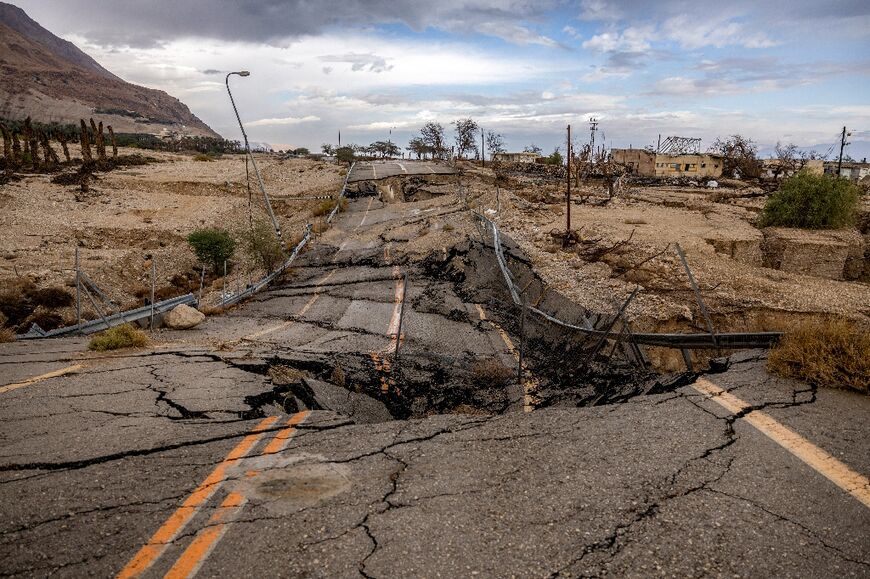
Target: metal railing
x=263 y=283
x=733 y=340
x=106 y=322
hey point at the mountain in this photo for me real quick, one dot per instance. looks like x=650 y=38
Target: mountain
x=50 y=79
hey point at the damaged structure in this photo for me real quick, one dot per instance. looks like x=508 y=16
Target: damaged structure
x=523 y=157
x=648 y=163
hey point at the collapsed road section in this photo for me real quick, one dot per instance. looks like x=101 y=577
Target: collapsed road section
x=364 y=417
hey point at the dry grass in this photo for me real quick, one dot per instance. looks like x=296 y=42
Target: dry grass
x=212 y=310
x=286 y=375
x=323 y=208
x=6 y=335
x=827 y=353
x=337 y=377
x=125 y=336
x=491 y=373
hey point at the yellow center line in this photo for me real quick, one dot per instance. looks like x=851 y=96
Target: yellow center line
x=838 y=473
x=41 y=377
x=530 y=385
x=205 y=541
x=160 y=540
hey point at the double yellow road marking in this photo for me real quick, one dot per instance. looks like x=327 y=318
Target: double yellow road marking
x=206 y=539
x=838 y=473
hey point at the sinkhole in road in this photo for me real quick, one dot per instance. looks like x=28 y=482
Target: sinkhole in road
x=562 y=367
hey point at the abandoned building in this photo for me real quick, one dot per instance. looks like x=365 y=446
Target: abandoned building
x=770 y=168
x=524 y=157
x=651 y=164
x=850 y=170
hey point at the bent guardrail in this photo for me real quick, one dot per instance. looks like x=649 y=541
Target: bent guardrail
x=733 y=340
x=107 y=322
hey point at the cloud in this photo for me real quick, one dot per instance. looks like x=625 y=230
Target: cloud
x=736 y=75
x=691 y=32
x=360 y=62
x=211 y=71
x=283 y=121
x=599 y=10
x=146 y=24
x=632 y=39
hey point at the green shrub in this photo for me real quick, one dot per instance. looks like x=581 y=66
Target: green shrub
x=263 y=246
x=812 y=201
x=125 y=336
x=212 y=247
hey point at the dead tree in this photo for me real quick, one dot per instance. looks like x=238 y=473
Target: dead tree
x=49 y=153
x=98 y=140
x=87 y=158
x=30 y=136
x=7 y=148
x=114 y=142
x=16 y=149
x=62 y=138
x=25 y=153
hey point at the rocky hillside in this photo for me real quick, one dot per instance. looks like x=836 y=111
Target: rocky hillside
x=50 y=79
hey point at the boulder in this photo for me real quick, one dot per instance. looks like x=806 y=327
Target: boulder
x=183 y=317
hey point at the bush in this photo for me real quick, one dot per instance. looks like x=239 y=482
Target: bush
x=323 y=208
x=263 y=246
x=812 y=201
x=212 y=247
x=125 y=336
x=834 y=354
x=53 y=297
x=203 y=157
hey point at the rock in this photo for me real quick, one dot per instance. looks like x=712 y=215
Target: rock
x=183 y=317
x=712 y=184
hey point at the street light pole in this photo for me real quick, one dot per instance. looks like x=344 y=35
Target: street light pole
x=251 y=156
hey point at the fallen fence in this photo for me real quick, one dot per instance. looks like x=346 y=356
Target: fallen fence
x=260 y=285
x=106 y=322
x=735 y=340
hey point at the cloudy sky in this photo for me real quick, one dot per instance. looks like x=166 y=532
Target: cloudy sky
x=795 y=71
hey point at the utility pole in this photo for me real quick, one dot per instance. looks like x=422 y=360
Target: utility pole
x=843 y=144
x=482 y=150
x=568 y=196
x=593 y=126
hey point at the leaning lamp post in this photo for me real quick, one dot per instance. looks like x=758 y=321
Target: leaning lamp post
x=250 y=156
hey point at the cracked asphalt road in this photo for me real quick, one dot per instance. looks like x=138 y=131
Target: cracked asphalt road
x=188 y=438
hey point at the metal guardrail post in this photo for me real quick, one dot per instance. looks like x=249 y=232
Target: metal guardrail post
x=153 y=282
x=78 y=291
x=522 y=340
x=401 y=316
x=697 y=291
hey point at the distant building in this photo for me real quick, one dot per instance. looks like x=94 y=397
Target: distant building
x=850 y=170
x=770 y=168
x=651 y=164
x=523 y=157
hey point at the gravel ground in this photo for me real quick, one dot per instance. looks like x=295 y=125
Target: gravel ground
x=141 y=213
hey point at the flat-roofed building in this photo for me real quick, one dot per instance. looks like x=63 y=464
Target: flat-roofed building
x=651 y=164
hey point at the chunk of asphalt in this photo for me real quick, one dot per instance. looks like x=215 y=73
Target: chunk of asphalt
x=360 y=408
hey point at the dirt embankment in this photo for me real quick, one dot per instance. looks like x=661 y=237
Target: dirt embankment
x=137 y=215
x=629 y=241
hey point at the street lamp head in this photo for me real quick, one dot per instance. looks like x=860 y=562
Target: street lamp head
x=244 y=73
